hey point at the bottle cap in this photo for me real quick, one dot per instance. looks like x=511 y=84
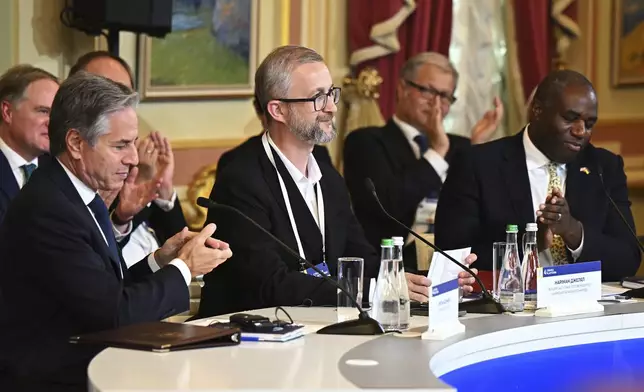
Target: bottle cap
x=398 y=240
x=387 y=242
x=531 y=227
x=512 y=229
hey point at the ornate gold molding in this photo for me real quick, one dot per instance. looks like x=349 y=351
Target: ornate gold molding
x=201 y=186
x=365 y=85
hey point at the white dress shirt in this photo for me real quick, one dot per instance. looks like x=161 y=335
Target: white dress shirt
x=305 y=183
x=426 y=208
x=87 y=195
x=142 y=241
x=16 y=162
x=537 y=165
x=439 y=163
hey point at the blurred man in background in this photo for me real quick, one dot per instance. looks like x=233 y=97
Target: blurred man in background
x=26 y=94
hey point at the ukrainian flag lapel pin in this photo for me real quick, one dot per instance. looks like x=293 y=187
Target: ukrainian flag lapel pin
x=585 y=170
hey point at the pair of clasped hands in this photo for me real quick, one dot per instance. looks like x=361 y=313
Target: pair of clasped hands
x=553 y=218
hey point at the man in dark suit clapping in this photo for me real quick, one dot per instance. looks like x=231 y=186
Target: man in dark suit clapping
x=408 y=158
x=548 y=174
x=61 y=273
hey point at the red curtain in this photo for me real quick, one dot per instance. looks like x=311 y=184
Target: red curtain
x=428 y=28
x=533 y=31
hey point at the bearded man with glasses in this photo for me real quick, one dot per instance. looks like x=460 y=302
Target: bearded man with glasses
x=409 y=157
x=277 y=181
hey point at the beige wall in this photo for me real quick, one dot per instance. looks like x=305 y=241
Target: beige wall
x=592 y=54
x=621 y=110
x=31 y=32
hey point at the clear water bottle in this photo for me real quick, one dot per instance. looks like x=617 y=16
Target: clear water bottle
x=530 y=265
x=386 y=305
x=510 y=280
x=403 y=317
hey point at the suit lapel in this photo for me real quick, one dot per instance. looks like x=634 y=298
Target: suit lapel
x=60 y=178
x=270 y=175
x=330 y=219
x=580 y=186
x=515 y=175
x=308 y=230
x=397 y=144
x=8 y=185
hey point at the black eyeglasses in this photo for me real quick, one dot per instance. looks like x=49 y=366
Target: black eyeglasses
x=319 y=100
x=430 y=92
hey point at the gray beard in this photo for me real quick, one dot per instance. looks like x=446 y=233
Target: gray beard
x=311 y=132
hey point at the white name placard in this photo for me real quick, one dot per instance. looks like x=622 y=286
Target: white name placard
x=569 y=289
x=444 y=295
x=444 y=303
x=443 y=311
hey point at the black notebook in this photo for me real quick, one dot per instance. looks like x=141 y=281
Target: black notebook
x=633 y=282
x=162 y=337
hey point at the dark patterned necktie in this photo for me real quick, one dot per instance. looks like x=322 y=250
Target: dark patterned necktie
x=28 y=170
x=421 y=140
x=97 y=206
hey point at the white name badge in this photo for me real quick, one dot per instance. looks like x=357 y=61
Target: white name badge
x=569 y=289
x=443 y=311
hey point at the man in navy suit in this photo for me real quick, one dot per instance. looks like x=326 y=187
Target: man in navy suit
x=143 y=223
x=548 y=173
x=26 y=94
x=408 y=158
x=61 y=273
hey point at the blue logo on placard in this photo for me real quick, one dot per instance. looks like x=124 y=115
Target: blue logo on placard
x=549 y=271
x=445 y=287
x=570 y=269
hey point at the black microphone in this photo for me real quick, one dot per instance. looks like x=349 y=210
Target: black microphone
x=364 y=325
x=600 y=173
x=487 y=304
x=636 y=293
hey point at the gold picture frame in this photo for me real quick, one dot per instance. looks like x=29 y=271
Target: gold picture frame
x=190 y=62
x=628 y=47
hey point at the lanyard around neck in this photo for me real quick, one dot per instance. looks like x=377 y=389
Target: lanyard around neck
x=267 y=142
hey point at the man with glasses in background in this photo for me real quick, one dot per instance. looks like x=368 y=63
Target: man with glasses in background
x=277 y=181
x=408 y=158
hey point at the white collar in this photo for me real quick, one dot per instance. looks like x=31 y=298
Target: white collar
x=86 y=193
x=535 y=159
x=314 y=173
x=408 y=130
x=15 y=160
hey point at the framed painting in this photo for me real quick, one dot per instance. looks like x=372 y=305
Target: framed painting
x=211 y=52
x=628 y=45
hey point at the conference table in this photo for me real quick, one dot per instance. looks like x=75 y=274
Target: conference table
x=396 y=361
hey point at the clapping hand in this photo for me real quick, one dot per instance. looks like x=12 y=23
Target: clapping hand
x=485 y=127
x=434 y=128
x=555 y=213
x=164 y=165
